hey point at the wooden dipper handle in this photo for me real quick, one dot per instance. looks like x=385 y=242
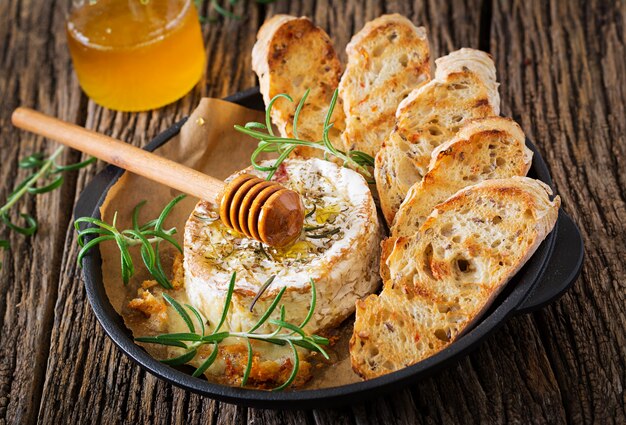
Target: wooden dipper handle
x=119 y=153
x=261 y=210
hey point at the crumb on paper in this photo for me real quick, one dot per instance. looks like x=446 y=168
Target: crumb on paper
x=152 y=307
x=147 y=284
x=178 y=272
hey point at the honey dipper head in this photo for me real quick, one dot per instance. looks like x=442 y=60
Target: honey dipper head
x=262 y=210
x=281 y=218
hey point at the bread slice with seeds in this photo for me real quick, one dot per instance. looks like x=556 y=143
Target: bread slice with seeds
x=387 y=59
x=290 y=56
x=485 y=148
x=445 y=277
x=464 y=88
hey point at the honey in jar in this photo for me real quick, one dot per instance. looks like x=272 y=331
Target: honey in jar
x=135 y=55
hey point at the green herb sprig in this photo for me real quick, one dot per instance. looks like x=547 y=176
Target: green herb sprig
x=285 y=333
x=47 y=175
x=270 y=143
x=223 y=10
x=147 y=235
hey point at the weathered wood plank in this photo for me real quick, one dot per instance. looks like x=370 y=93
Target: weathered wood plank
x=29 y=76
x=568 y=94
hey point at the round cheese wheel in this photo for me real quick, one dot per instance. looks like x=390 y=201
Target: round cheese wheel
x=338 y=249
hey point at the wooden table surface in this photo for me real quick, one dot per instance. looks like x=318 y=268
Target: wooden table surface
x=562 y=68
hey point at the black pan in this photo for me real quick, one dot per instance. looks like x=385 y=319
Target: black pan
x=550 y=271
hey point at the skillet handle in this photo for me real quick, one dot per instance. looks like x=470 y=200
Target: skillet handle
x=563 y=266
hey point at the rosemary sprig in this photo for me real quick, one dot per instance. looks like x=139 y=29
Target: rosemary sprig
x=47 y=175
x=270 y=143
x=147 y=235
x=223 y=10
x=285 y=333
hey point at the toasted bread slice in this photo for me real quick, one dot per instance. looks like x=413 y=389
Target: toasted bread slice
x=464 y=88
x=446 y=276
x=290 y=56
x=485 y=148
x=387 y=59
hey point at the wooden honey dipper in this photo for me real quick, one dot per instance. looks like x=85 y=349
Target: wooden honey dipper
x=260 y=209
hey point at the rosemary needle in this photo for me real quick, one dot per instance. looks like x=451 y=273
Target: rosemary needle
x=263 y=251
x=261 y=290
x=310 y=213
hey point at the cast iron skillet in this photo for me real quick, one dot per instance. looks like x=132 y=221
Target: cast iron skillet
x=551 y=270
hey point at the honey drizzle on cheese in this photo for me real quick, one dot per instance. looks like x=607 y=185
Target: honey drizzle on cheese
x=223 y=242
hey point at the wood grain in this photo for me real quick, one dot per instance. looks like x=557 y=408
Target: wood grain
x=563 y=75
x=30 y=276
x=568 y=94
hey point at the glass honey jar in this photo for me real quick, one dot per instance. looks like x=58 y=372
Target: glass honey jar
x=136 y=55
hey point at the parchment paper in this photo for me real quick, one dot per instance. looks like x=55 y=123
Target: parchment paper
x=207 y=142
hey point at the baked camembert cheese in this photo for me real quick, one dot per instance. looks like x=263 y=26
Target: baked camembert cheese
x=338 y=249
